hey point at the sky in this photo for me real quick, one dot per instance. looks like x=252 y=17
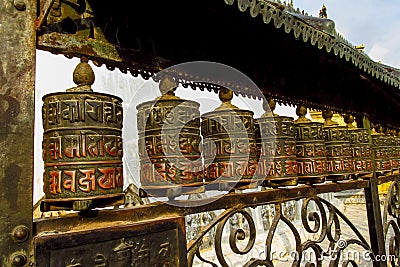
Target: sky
x=375 y=24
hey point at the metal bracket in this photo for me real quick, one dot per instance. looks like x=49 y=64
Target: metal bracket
x=45 y=10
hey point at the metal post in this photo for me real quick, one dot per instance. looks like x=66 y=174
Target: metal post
x=17 y=81
x=373 y=208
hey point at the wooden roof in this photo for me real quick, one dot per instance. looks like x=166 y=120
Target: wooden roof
x=291 y=56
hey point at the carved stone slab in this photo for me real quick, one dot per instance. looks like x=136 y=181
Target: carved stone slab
x=150 y=243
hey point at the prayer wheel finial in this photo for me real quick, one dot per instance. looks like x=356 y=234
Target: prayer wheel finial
x=168 y=87
x=349 y=119
x=269 y=107
x=327 y=114
x=301 y=111
x=226 y=96
x=83 y=77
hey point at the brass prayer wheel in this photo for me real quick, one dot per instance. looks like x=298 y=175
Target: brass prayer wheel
x=361 y=151
x=339 y=164
x=169 y=143
x=382 y=152
x=277 y=149
x=82 y=146
x=310 y=149
x=229 y=146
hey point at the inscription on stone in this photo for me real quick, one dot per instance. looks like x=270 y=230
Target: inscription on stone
x=158 y=243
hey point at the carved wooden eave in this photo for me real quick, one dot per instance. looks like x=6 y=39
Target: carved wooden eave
x=291 y=56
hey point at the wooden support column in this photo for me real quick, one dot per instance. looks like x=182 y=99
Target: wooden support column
x=374 y=210
x=17 y=81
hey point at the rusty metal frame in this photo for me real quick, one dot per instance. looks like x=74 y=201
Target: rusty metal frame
x=17 y=82
x=391 y=215
x=185 y=207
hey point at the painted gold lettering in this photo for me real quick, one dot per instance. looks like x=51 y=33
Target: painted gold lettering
x=164 y=250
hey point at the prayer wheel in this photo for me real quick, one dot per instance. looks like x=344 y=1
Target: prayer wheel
x=360 y=148
x=310 y=149
x=229 y=146
x=169 y=144
x=361 y=151
x=277 y=148
x=339 y=162
x=82 y=146
x=382 y=152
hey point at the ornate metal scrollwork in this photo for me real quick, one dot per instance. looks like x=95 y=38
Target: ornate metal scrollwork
x=391 y=223
x=317 y=233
